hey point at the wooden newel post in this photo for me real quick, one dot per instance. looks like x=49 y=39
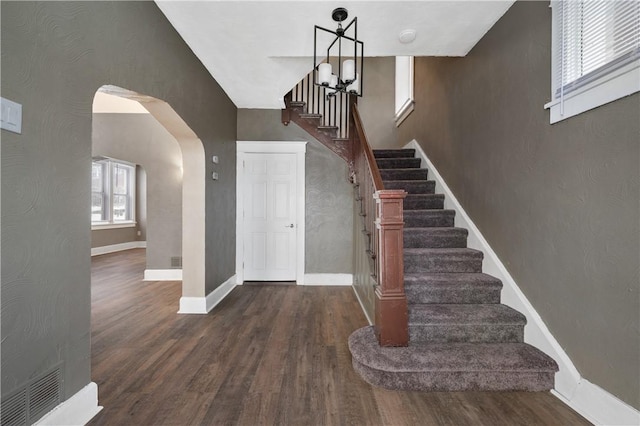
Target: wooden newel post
x=391 y=322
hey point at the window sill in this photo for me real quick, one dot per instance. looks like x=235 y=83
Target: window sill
x=616 y=85
x=99 y=226
x=404 y=112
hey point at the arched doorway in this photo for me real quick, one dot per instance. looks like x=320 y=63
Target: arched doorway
x=192 y=171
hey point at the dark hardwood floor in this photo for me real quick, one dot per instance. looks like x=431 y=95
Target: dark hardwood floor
x=266 y=355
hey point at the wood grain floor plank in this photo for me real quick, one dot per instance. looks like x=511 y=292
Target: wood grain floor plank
x=266 y=355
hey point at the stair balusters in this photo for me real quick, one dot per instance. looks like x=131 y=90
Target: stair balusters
x=335 y=121
x=382 y=212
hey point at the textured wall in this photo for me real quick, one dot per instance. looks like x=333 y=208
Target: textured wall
x=55 y=55
x=377 y=106
x=558 y=203
x=141 y=139
x=329 y=222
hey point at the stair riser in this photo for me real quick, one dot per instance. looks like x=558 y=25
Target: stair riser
x=426 y=294
x=394 y=153
x=403 y=174
x=413 y=239
x=398 y=163
x=429 y=221
x=457 y=381
x=421 y=263
x=417 y=187
x=467 y=333
x=423 y=203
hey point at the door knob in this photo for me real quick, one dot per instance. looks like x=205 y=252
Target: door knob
x=289 y=226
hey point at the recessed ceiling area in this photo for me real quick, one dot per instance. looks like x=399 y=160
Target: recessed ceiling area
x=258 y=50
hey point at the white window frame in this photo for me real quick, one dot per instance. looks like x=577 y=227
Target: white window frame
x=110 y=222
x=608 y=87
x=404 y=88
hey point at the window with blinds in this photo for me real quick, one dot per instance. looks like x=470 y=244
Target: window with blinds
x=594 y=42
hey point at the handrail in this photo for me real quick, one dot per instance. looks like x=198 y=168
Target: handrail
x=373 y=167
x=382 y=213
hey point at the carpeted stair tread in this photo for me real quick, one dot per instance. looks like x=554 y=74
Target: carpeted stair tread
x=452 y=288
x=448 y=356
x=478 y=279
x=412 y=186
x=490 y=323
x=398 y=163
x=423 y=201
x=403 y=174
x=429 y=218
x=464 y=314
x=394 y=153
x=442 y=260
x=435 y=237
x=451 y=366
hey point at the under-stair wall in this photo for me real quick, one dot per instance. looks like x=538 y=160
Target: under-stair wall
x=363 y=282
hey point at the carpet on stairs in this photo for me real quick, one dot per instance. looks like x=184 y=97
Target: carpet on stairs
x=461 y=336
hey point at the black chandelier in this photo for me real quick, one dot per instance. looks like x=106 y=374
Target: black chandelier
x=346 y=79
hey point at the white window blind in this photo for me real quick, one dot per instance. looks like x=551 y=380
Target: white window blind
x=593 y=40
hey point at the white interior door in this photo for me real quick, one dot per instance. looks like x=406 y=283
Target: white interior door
x=269 y=216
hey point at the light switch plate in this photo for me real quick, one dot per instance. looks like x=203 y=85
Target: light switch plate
x=215 y=159
x=214 y=176
x=11 y=117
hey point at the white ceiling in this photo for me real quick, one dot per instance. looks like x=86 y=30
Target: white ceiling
x=258 y=50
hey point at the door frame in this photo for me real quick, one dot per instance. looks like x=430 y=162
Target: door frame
x=299 y=148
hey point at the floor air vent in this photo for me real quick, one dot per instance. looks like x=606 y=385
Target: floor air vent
x=30 y=402
x=176 y=262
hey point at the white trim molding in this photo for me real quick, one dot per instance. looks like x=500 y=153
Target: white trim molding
x=599 y=406
x=292 y=147
x=115 y=225
x=614 y=86
x=328 y=279
x=404 y=97
x=204 y=305
x=96 y=251
x=590 y=401
x=162 y=275
x=77 y=410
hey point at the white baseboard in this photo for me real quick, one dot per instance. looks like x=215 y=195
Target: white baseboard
x=162 y=275
x=328 y=279
x=599 y=406
x=77 y=410
x=95 y=251
x=569 y=385
x=204 y=305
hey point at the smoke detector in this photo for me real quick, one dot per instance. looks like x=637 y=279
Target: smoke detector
x=407 y=36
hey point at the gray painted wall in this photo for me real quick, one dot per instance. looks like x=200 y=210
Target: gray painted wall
x=141 y=139
x=377 y=106
x=558 y=203
x=55 y=55
x=107 y=237
x=329 y=221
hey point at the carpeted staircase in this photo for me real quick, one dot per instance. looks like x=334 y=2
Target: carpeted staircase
x=461 y=337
